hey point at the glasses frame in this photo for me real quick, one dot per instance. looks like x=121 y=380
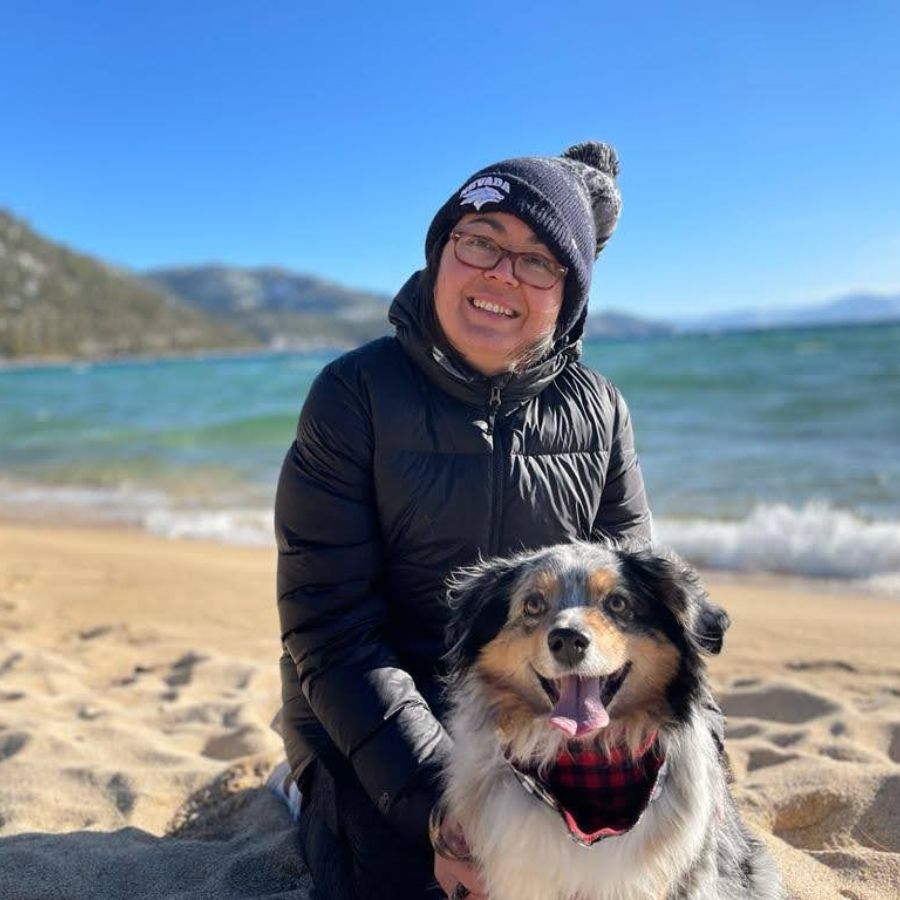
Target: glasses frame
x=513 y=255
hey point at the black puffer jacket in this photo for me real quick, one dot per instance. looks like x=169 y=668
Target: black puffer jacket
x=405 y=466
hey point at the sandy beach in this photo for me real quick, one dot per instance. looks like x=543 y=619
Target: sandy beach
x=138 y=677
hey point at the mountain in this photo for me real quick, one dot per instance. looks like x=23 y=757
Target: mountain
x=55 y=302
x=287 y=309
x=621 y=326
x=279 y=307
x=851 y=309
x=58 y=303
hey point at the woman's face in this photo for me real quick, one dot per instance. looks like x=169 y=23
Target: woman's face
x=494 y=339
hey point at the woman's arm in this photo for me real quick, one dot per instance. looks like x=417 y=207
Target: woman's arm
x=333 y=610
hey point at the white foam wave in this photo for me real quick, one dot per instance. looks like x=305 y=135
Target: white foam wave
x=227 y=526
x=814 y=540
x=154 y=511
x=122 y=503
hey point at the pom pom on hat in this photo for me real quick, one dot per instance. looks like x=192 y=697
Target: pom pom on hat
x=598 y=165
x=595 y=154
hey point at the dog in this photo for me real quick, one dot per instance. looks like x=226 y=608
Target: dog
x=588 y=760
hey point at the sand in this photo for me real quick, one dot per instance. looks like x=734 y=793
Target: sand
x=138 y=677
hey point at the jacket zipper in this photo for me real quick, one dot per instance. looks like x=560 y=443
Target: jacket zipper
x=496 y=471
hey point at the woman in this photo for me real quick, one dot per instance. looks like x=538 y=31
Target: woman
x=474 y=431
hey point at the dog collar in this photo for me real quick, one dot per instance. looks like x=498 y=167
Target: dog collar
x=598 y=795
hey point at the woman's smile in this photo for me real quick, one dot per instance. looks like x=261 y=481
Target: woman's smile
x=492 y=307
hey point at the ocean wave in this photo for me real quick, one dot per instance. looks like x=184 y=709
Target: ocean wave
x=249 y=527
x=814 y=540
x=150 y=510
x=122 y=503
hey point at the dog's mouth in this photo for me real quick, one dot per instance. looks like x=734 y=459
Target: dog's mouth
x=580 y=702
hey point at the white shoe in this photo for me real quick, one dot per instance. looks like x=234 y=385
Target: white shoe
x=285 y=788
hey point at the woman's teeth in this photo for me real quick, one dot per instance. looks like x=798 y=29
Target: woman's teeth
x=492 y=308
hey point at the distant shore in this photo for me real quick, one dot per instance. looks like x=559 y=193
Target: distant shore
x=315 y=345
x=261 y=350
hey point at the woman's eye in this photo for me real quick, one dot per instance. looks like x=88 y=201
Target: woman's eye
x=535 y=605
x=479 y=243
x=617 y=604
x=537 y=263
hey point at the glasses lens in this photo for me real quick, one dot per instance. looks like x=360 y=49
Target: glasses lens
x=536 y=270
x=475 y=250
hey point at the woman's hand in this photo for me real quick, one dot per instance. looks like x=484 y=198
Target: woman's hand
x=458 y=879
x=453 y=867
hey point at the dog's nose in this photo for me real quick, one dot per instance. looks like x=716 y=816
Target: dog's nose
x=568 y=645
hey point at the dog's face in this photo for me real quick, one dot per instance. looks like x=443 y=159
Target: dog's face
x=589 y=640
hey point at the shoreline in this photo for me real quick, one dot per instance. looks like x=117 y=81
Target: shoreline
x=83 y=518
x=15 y=364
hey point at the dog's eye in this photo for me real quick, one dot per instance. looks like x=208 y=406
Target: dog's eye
x=617 y=604
x=534 y=605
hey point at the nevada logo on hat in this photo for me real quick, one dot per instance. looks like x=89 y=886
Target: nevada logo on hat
x=483 y=190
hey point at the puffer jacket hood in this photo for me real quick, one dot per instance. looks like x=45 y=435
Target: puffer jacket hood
x=410 y=314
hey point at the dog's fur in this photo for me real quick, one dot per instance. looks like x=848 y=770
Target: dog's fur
x=633 y=607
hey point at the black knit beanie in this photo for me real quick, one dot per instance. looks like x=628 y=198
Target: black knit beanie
x=571 y=202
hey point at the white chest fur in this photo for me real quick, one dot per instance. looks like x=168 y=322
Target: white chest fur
x=525 y=850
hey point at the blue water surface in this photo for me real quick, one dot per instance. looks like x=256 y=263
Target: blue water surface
x=723 y=422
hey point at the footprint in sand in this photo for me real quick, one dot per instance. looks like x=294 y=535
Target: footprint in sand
x=12 y=660
x=894 y=746
x=11 y=624
x=763 y=757
x=778 y=703
x=810 y=819
x=121 y=792
x=846 y=753
x=822 y=817
x=879 y=826
x=787 y=738
x=182 y=670
x=244 y=741
x=136 y=672
x=12 y=743
x=739 y=732
x=90 y=633
x=820 y=665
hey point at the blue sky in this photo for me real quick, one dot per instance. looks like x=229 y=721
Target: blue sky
x=759 y=141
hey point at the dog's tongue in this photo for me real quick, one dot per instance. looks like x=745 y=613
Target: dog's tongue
x=579 y=709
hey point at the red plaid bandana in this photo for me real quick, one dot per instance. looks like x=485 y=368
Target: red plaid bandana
x=599 y=796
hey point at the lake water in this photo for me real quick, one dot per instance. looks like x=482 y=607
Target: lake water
x=774 y=451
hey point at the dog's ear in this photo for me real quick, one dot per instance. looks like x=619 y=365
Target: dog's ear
x=711 y=625
x=659 y=578
x=663 y=577
x=478 y=598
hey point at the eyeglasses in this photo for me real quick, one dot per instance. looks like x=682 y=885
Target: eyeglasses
x=481 y=252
